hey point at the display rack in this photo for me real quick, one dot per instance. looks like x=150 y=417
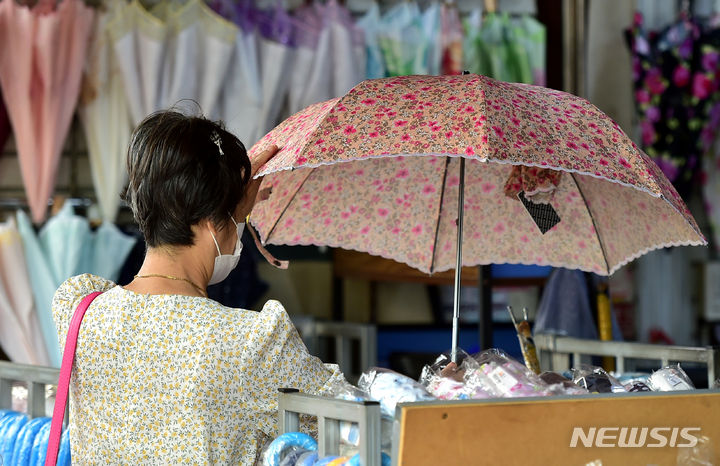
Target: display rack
x=330 y=412
x=37 y=378
x=344 y=335
x=554 y=353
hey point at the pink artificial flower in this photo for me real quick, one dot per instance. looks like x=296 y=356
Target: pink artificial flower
x=681 y=75
x=702 y=86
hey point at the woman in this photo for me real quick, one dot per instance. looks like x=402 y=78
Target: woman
x=163 y=374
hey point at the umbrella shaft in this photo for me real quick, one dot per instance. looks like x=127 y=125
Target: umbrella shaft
x=458 y=260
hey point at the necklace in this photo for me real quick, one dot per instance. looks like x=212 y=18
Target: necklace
x=170 y=277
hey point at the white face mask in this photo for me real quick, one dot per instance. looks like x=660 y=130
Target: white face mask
x=225 y=263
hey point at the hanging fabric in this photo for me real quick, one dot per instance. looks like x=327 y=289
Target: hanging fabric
x=105 y=116
x=20 y=335
x=240 y=100
x=311 y=81
x=431 y=20
x=403 y=42
x=451 y=40
x=66 y=247
x=370 y=26
x=348 y=52
x=199 y=49
x=41 y=63
x=138 y=39
x=531 y=36
x=675 y=75
x=276 y=60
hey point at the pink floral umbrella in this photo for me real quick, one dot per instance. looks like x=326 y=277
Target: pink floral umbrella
x=41 y=61
x=408 y=139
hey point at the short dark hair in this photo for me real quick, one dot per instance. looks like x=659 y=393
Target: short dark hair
x=178 y=176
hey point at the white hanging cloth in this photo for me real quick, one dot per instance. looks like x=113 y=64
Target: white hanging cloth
x=199 y=48
x=348 y=50
x=241 y=96
x=105 y=116
x=139 y=41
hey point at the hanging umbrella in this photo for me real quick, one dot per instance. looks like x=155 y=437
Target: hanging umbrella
x=405 y=47
x=311 y=80
x=550 y=179
x=65 y=247
x=369 y=24
x=105 y=116
x=276 y=59
x=40 y=68
x=20 y=334
x=95 y=258
x=138 y=38
x=200 y=47
x=451 y=36
x=348 y=50
x=241 y=93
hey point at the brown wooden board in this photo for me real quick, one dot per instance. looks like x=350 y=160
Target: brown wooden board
x=353 y=264
x=539 y=431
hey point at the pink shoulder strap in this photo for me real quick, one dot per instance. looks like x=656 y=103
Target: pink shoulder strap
x=64 y=380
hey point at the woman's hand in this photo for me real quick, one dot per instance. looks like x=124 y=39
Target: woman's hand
x=252 y=194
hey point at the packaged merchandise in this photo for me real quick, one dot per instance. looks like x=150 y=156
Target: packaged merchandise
x=670 y=378
x=596 y=379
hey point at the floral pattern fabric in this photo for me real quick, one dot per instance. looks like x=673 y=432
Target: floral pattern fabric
x=398 y=197
x=170 y=379
x=538 y=184
x=676 y=75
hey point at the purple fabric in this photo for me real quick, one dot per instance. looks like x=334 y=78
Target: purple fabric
x=276 y=25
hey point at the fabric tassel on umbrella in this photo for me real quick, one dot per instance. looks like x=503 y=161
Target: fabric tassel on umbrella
x=41 y=63
x=380 y=170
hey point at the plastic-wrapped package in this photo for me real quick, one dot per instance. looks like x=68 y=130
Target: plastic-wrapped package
x=631 y=378
x=637 y=387
x=595 y=379
x=447 y=382
x=559 y=385
x=288 y=448
x=498 y=374
x=670 y=378
x=391 y=388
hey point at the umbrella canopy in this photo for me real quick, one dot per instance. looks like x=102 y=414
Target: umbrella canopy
x=40 y=71
x=398 y=199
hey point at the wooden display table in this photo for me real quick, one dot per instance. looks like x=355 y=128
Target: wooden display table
x=541 y=431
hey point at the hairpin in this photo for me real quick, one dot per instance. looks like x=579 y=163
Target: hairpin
x=215 y=137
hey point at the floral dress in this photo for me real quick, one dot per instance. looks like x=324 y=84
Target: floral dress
x=171 y=379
